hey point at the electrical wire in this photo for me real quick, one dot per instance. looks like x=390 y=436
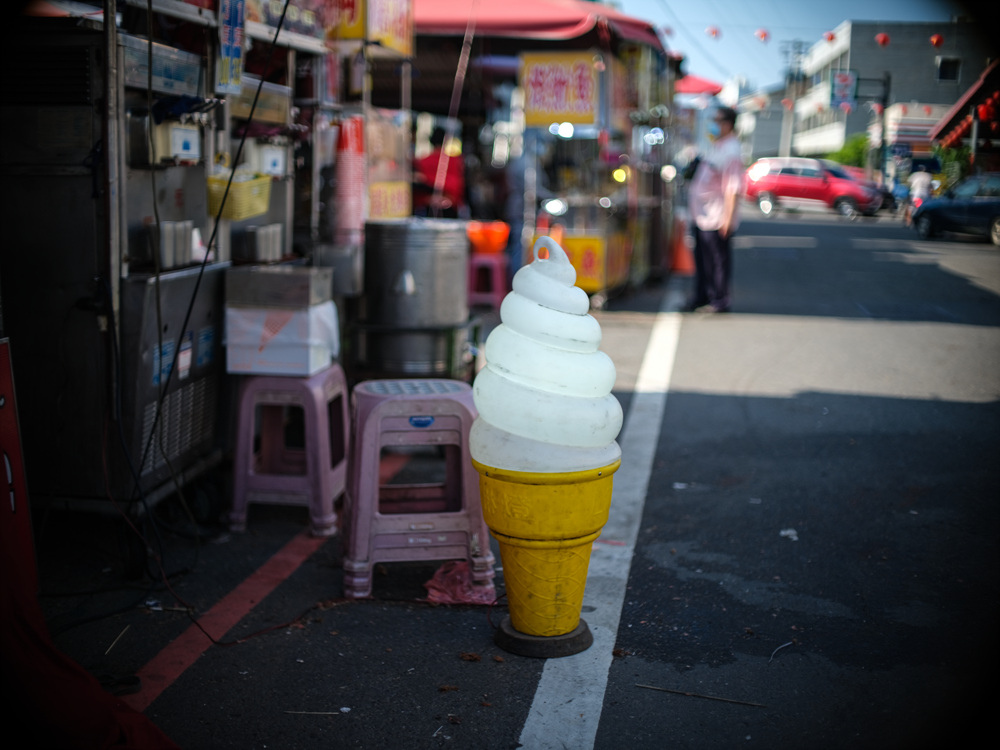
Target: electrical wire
x=165 y=374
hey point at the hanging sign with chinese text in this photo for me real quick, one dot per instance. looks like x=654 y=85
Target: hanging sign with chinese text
x=844 y=89
x=559 y=87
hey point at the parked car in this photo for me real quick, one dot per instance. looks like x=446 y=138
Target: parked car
x=971 y=207
x=777 y=182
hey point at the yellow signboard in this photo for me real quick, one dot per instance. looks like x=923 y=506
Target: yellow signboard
x=589 y=257
x=389 y=200
x=389 y=23
x=559 y=87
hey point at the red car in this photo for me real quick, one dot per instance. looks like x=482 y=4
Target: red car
x=794 y=182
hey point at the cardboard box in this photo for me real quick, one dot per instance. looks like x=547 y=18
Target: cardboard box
x=281 y=341
x=278 y=286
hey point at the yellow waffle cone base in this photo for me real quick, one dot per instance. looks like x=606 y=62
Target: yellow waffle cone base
x=545 y=524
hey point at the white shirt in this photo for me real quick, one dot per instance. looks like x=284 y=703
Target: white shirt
x=720 y=173
x=920 y=184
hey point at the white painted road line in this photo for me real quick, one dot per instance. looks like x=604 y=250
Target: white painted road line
x=567 y=707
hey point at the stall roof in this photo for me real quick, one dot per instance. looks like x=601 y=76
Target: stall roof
x=690 y=84
x=530 y=19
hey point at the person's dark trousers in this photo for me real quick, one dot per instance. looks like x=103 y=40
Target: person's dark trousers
x=713 y=265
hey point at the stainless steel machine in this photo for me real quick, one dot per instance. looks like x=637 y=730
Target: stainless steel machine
x=116 y=334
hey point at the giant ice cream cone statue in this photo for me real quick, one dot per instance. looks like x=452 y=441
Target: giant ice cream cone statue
x=544 y=446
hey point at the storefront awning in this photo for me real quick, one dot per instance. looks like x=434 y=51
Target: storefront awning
x=957 y=122
x=529 y=19
x=690 y=84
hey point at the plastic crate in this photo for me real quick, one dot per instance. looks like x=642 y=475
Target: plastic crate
x=245 y=199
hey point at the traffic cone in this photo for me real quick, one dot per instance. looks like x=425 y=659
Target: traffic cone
x=681 y=260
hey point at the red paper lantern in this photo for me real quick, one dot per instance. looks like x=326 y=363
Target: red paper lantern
x=829 y=36
x=878 y=108
x=928 y=109
x=787 y=103
x=936 y=40
x=846 y=107
x=903 y=109
x=882 y=39
x=713 y=31
x=762 y=35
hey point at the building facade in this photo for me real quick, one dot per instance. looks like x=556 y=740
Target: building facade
x=903 y=84
x=861 y=68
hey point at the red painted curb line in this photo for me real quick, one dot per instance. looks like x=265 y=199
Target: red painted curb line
x=183 y=651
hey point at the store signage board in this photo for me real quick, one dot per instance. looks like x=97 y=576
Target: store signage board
x=389 y=200
x=559 y=87
x=386 y=23
x=844 y=88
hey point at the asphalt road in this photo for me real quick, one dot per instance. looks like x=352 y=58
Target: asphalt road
x=812 y=561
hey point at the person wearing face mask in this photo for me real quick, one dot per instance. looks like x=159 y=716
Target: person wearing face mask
x=713 y=199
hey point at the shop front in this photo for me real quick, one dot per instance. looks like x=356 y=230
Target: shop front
x=566 y=100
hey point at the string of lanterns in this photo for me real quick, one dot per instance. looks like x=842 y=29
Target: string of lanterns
x=763 y=35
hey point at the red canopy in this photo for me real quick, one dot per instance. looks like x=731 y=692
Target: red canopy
x=690 y=84
x=530 y=19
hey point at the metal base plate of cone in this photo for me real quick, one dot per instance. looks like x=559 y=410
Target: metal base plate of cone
x=543 y=646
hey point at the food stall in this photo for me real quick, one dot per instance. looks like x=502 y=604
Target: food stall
x=597 y=176
x=129 y=132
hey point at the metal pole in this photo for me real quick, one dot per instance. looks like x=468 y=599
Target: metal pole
x=884 y=156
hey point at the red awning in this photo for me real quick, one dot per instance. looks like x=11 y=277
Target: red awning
x=690 y=84
x=530 y=19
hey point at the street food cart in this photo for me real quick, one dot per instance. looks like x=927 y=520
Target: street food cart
x=596 y=174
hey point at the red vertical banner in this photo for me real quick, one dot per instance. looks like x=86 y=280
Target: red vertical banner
x=18 y=551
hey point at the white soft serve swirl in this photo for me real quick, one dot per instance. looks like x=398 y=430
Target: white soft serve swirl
x=544 y=396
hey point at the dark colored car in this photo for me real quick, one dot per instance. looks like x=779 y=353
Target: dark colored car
x=971 y=207
x=775 y=182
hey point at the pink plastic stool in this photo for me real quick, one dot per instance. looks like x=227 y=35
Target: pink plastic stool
x=412 y=522
x=314 y=475
x=487 y=279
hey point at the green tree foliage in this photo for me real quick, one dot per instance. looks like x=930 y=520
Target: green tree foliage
x=854 y=151
x=954 y=163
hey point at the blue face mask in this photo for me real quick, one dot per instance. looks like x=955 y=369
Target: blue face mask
x=713 y=129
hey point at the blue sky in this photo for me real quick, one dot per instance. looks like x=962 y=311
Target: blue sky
x=736 y=51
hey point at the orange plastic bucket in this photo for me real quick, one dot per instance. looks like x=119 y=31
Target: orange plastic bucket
x=488 y=237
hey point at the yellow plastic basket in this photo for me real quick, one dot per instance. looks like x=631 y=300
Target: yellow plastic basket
x=245 y=199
